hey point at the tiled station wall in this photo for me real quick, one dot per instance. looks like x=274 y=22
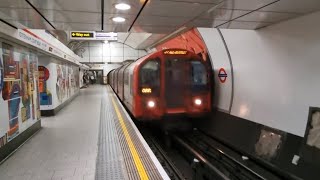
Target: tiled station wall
x=114 y=52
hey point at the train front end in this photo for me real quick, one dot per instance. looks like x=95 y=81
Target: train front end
x=187 y=89
x=174 y=82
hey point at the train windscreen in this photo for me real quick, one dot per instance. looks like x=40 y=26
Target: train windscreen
x=199 y=77
x=149 y=77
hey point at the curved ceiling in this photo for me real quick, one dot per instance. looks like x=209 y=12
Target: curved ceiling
x=156 y=19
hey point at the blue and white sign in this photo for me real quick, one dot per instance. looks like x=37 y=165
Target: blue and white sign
x=111 y=36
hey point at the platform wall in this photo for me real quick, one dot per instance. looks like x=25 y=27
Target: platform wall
x=58 y=82
x=19 y=103
x=81 y=73
x=115 y=52
x=274 y=93
x=276 y=71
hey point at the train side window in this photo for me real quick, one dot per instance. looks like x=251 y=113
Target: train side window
x=198 y=73
x=150 y=73
x=131 y=85
x=126 y=78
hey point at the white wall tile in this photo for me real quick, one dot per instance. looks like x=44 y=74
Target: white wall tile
x=110 y=52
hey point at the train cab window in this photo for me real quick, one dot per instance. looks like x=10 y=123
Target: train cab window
x=198 y=73
x=150 y=74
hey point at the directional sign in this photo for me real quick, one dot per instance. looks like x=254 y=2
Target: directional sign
x=82 y=35
x=222 y=75
x=106 y=36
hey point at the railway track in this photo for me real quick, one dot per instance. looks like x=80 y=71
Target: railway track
x=155 y=144
x=214 y=163
x=204 y=156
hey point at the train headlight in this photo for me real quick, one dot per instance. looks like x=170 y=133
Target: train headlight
x=198 y=101
x=151 y=104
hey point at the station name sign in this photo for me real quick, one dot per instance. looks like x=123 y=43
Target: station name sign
x=92 y=35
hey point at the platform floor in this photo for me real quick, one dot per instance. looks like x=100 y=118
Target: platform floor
x=122 y=151
x=67 y=146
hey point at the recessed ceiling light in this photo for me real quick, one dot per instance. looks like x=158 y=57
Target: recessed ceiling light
x=122 y=6
x=118 y=19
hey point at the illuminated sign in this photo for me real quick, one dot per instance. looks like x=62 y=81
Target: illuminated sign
x=107 y=36
x=175 y=52
x=146 y=90
x=82 y=35
x=92 y=35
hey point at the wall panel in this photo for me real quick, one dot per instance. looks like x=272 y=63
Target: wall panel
x=61 y=85
x=19 y=101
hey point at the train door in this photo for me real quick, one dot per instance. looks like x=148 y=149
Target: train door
x=175 y=82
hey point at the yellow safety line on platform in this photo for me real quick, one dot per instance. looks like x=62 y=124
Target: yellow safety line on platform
x=141 y=170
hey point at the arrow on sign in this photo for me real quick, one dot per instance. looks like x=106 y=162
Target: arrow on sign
x=73 y=34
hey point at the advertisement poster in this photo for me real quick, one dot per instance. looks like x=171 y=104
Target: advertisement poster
x=1 y=75
x=13 y=89
x=11 y=66
x=25 y=88
x=18 y=99
x=45 y=94
x=67 y=83
x=61 y=84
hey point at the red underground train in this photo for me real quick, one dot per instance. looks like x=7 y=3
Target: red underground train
x=164 y=83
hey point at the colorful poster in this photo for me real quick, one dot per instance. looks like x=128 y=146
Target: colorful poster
x=13 y=106
x=13 y=128
x=57 y=83
x=25 y=88
x=62 y=84
x=32 y=66
x=1 y=75
x=43 y=73
x=11 y=89
x=18 y=76
x=14 y=98
x=69 y=81
x=11 y=66
x=38 y=105
x=45 y=94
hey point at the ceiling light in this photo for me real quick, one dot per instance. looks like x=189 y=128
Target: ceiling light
x=122 y=6
x=118 y=19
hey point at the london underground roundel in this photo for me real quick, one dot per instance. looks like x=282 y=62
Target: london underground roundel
x=222 y=75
